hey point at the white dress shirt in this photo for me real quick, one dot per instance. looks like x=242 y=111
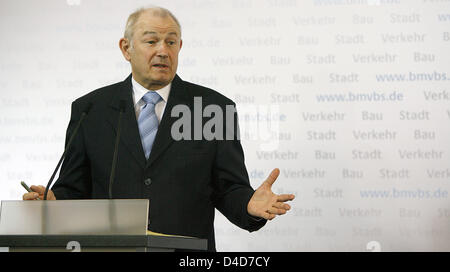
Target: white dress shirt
x=139 y=91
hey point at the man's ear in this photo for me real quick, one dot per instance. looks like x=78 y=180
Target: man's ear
x=181 y=43
x=125 y=46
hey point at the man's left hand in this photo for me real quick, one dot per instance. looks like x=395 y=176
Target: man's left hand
x=264 y=203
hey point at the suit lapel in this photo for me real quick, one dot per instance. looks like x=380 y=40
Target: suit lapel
x=130 y=132
x=178 y=95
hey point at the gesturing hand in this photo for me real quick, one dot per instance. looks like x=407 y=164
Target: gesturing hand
x=264 y=203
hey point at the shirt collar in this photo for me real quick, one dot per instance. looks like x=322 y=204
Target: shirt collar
x=139 y=91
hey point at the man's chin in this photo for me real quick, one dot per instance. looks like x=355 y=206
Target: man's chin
x=160 y=81
x=164 y=78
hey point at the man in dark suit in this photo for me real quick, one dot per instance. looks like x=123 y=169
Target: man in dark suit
x=185 y=180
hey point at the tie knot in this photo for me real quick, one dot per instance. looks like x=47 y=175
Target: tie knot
x=151 y=97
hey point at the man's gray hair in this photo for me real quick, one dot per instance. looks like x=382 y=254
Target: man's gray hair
x=133 y=18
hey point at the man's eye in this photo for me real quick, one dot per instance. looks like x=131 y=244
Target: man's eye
x=171 y=43
x=151 y=42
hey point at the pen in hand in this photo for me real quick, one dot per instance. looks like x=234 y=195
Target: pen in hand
x=27 y=188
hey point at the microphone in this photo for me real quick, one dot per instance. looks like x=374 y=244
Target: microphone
x=116 y=148
x=83 y=116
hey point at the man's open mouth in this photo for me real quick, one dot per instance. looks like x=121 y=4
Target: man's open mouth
x=160 y=65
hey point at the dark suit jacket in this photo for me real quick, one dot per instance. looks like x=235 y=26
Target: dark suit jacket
x=183 y=180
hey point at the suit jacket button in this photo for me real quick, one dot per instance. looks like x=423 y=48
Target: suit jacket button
x=148 y=181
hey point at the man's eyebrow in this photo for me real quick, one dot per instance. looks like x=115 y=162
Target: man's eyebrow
x=154 y=33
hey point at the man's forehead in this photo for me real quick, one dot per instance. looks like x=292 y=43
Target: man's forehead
x=151 y=29
x=150 y=24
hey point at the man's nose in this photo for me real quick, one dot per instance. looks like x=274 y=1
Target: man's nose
x=162 y=50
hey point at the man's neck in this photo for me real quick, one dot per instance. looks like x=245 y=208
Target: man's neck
x=151 y=85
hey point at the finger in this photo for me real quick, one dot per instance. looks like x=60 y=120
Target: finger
x=30 y=196
x=38 y=189
x=268 y=216
x=265 y=215
x=276 y=211
x=41 y=189
x=51 y=195
x=285 y=197
x=273 y=176
x=281 y=205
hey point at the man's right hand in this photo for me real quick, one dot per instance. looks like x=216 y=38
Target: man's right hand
x=38 y=191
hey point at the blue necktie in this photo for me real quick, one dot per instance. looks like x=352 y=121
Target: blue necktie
x=148 y=122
